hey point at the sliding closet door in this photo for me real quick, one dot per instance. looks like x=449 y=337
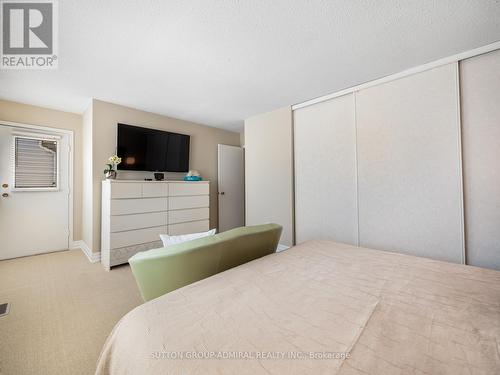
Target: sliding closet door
x=410 y=189
x=480 y=95
x=325 y=171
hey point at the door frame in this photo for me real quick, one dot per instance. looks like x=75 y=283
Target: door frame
x=71 y=136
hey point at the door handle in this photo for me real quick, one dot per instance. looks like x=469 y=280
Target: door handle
x=222 y=193
x=5 y=195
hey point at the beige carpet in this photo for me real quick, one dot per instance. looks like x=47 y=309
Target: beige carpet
x=62 y=309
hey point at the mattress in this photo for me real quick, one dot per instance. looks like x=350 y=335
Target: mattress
x=318 y=308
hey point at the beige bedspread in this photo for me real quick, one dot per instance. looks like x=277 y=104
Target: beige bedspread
x=318 y=308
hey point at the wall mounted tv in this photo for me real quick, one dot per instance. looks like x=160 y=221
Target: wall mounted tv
x=143 y=149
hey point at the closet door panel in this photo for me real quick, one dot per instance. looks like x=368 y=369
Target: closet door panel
x=409 y=174
x=325 y=171
x=480 y=95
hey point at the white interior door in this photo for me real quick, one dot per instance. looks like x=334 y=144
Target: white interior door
x=231 y=183
x=34 y=199
x=480 y=86
x=409 y=181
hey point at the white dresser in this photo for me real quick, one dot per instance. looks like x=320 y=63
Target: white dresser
x=135 y=213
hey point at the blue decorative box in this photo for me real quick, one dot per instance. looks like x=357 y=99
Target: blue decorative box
x=192 y=178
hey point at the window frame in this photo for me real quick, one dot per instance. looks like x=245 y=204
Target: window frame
x=38 y=137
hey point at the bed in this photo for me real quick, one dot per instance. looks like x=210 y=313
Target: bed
x=319 y=308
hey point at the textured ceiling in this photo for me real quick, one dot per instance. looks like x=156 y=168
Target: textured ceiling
x=219 y=62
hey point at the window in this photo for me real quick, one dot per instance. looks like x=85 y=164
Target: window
x=35 y=163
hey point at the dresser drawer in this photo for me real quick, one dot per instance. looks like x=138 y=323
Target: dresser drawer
x=136 y=237
x=188 y=188
x=187 y=228
x=182 y=216
x=154 y=189
x=126 y=190
x=138 y=221
x=180 y=203
x=136 y=206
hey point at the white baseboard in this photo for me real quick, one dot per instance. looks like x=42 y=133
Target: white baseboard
x=92 y=257
x=282 y=247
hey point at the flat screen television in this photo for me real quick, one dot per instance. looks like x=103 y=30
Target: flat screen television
x=143 y=149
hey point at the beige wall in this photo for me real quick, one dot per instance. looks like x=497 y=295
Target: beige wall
x=87 y=178
x=203 y=151
x=269 y=171
x=33 y=115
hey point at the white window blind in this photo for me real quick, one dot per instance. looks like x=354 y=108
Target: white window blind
x=35 y=163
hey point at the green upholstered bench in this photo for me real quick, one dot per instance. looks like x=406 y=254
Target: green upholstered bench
x=160 y=271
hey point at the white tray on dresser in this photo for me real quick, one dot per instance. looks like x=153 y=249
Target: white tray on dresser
x=135 y=213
